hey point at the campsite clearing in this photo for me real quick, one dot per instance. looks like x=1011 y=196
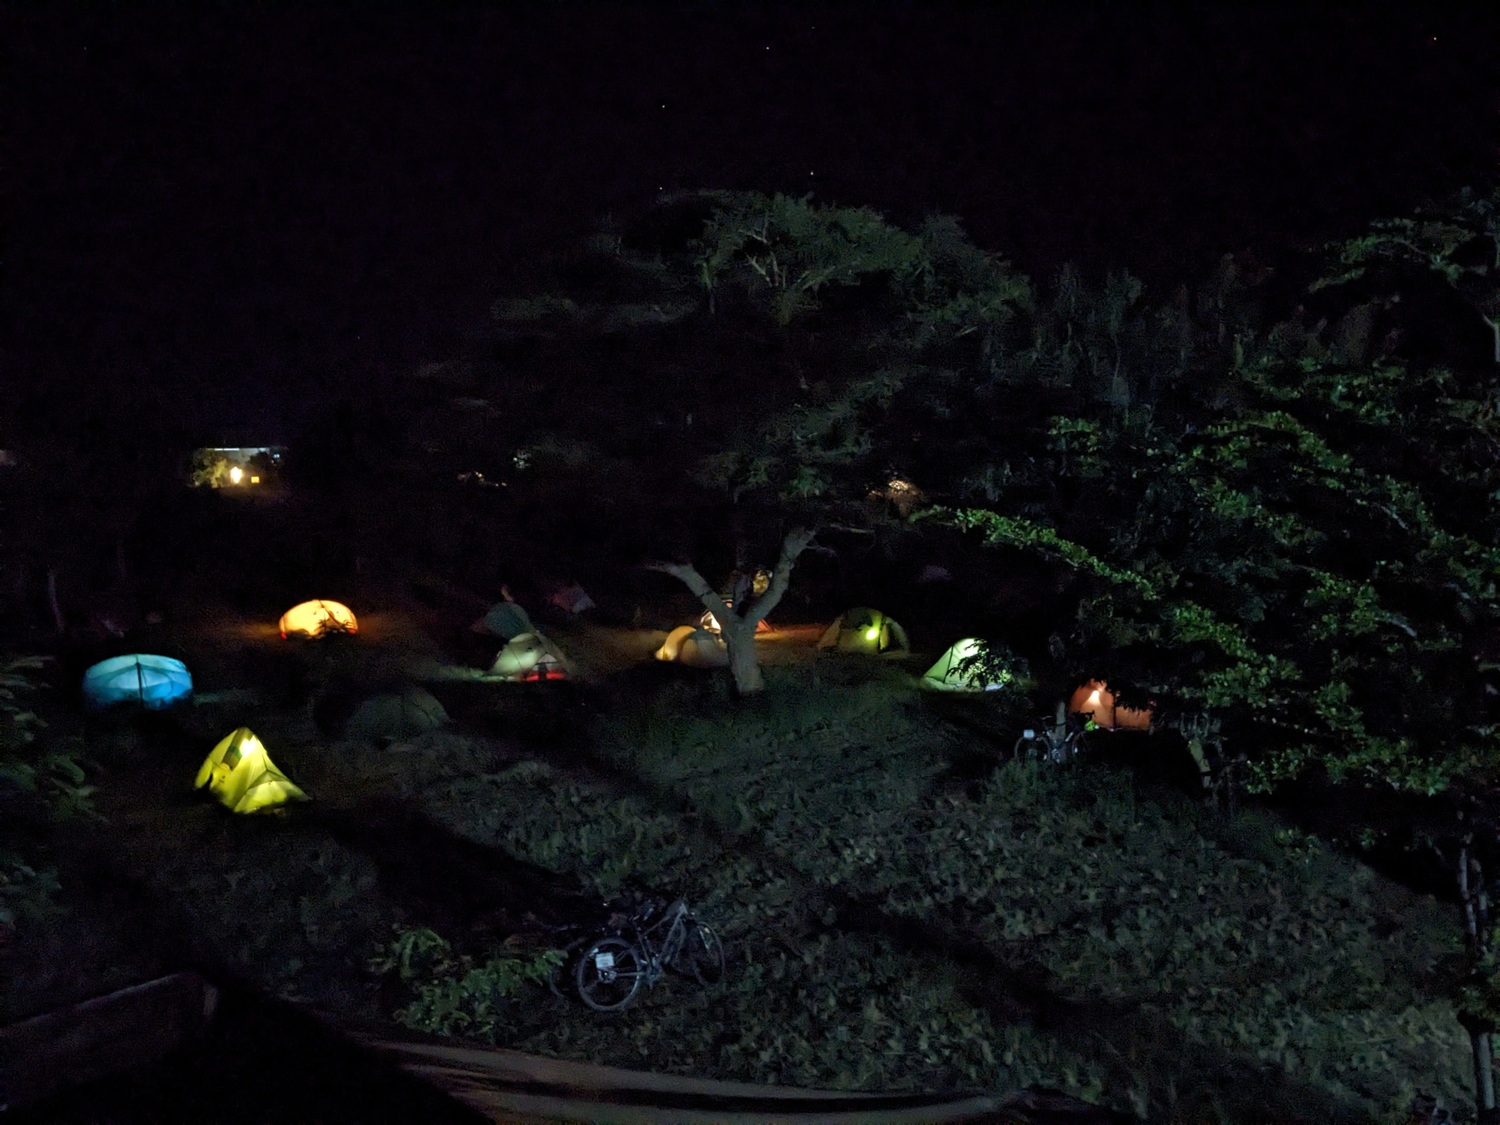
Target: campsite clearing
x=895 y=919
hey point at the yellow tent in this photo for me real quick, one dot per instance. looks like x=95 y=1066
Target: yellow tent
x=316 y=618
x=697 y=648
x=241 y=774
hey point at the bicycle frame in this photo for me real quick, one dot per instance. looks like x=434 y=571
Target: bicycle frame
x=638 y=948
x=659 y=954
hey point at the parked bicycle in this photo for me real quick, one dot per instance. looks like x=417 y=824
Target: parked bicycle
x=641 y=946
x=1053 y=741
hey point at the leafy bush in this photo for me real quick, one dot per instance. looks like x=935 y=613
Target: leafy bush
x=456 y=995
x=40 y=784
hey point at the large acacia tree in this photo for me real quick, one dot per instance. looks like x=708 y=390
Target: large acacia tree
x=894 y=302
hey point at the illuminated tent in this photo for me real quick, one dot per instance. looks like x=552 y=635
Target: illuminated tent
x=867 y=631
x=240 y=773
x=318 y=619
x=697 y=648
x=711 y=623
x=949 y=673
x=530 y=657
x=505 y=620
x=393 y=711
x=1094 y=698
x=154 y=682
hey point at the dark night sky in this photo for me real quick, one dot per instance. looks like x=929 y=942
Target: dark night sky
x=242 y=204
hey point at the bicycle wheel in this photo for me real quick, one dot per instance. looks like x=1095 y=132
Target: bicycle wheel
x=564 y=968
x=608 y=975
x=1032 y=750
x=701 y=955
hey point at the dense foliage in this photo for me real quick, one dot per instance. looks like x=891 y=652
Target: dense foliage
x=41 y=784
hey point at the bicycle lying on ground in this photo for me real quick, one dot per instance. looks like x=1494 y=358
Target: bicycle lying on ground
x=1055 y=742
x=641 y=945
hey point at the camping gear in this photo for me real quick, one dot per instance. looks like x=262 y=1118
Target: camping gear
x=240 y=773
x=505 y=620
x=571 y=599
x=154 y=682
x=381 y=713
x=867 y=631
x=1094 y=698
x=318 y=619
x=530 y=657
x=697 y=648
x=947 y=674
x=711 y=623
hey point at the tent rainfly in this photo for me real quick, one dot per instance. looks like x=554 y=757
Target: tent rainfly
x=318 y=619
x=949 y=673
x=571 y=599
x=697 y=648
x=1094 y=698
x=867 y=631
x=505 y=620
x=392 y=712
x=530 y=657
x=154 y=682
x=240 y=773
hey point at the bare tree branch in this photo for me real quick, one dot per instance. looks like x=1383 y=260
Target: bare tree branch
x=797 y=540
x=688 y=575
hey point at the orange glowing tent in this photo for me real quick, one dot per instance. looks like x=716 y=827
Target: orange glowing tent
x=318 y=619
x=1094 y=698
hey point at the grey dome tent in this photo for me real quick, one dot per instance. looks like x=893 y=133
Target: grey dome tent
x=389 y=712
x=528 y=657
x=505 y=620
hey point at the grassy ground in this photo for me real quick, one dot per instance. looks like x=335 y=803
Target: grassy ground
x=902 y=913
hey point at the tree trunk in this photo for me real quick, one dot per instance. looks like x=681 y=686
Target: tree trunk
x=57 y=614
x=737 y=622
x=744 y=664
x=1476 y=906
x=1484 y=1069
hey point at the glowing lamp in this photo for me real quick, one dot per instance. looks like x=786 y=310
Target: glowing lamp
x=236 y=475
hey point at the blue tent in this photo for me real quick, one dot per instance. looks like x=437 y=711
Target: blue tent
x=152 y=681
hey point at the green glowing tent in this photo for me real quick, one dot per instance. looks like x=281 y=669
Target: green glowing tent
x=953 y=672
x=866 y=631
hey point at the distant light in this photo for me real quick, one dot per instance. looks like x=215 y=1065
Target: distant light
x=236 y=474
x=872 y=633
